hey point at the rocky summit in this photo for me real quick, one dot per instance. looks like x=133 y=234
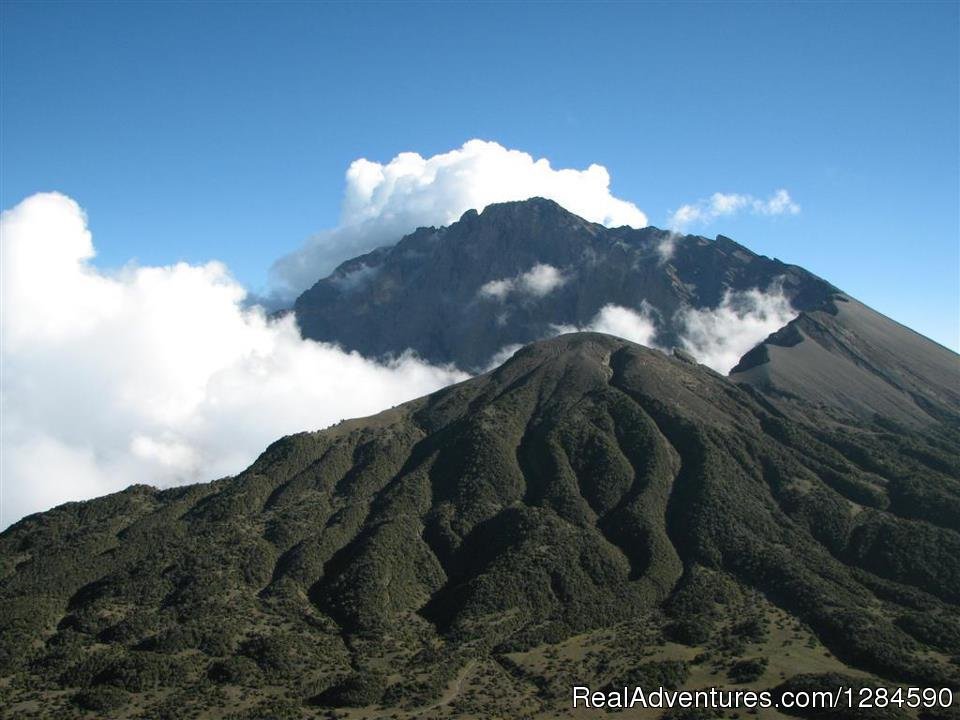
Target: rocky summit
x=477 y=290
x=517 y=271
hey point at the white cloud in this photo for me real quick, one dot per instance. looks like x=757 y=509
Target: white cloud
x=382 y=202
x=666 y=246
x=633 y=325
x=497 y=289
x=355 y=278
x=638 y=326
x=779 y=203
x=502 y=355
x=718 y=205
x=717 y=337
x=539 y=281
x=154 y=374
x=720 y=336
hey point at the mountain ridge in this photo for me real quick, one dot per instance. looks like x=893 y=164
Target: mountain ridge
x=588 y=486
x=519 y=271
x=426 y=292
x=850 y=358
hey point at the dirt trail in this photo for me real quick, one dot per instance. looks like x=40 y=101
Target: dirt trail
x=454 y=689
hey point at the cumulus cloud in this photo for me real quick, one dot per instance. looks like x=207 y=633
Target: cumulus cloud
x=636 y=325
x=720 y=336
x=539 y=281
x=719 y=205
x=157 y=375
x=384 y=201
x=497 y=289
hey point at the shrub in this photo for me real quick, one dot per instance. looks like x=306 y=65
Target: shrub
x=357 y=690
x=744 y=671
x=689 y=631
x=100 y=699
x=234 y=670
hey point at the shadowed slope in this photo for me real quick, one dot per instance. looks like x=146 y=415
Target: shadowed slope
x=427 y=292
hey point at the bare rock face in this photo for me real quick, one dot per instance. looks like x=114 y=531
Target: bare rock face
x=462 y=293
x=848 y=359
x=517 y=272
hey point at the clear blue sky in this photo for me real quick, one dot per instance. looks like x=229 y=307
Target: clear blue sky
x=196 y=131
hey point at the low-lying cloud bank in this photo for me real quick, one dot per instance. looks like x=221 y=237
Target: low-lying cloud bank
x=166 y=375
x=717 y=337
x=720 y=336
x=383 y=202
x=156 y=375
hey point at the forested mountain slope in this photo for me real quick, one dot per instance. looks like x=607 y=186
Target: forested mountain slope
x=591 y=511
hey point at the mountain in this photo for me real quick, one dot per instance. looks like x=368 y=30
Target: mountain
x=592 y=512
x=848 y=358
x=466 y=292
x=462 y=293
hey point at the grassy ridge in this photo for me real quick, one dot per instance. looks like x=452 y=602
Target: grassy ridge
x=392 y=561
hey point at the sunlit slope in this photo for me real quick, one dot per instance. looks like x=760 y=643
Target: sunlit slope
x=586 y=484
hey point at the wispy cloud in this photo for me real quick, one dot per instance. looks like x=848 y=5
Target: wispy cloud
x=540 y=280
x=720 y=336
x=719 y=205
x=717 y=337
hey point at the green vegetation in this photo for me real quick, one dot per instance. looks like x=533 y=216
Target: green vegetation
x=590 y=512
x=749 y=670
